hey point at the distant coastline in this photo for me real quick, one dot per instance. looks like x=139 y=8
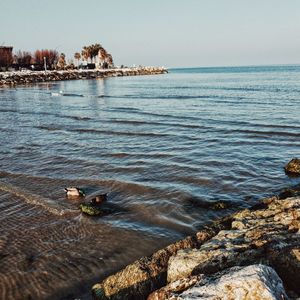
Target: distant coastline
x=10 y=79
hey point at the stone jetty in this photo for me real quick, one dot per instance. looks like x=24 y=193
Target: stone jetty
x=29 y=77
x=252 y=254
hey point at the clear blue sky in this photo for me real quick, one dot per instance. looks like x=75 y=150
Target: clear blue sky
x=159 y=32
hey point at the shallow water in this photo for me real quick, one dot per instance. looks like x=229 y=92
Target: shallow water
x=163 y=148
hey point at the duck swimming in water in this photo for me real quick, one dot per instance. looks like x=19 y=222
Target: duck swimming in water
x=74 y=192
x=96 y=200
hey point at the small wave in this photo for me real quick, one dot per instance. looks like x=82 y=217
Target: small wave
x=9 y=110
x=171 y=97
x=77 y=118
x=126 y=133
x=138 y=155
x=129 y=109
x=162 y=123
x=264 y=133
x=72 y=95
x=106 y=96
x=31 y=198
x=63 y=94
x=48 y=128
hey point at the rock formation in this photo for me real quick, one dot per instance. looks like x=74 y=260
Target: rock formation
x=17 y=78
x=267 y=234
x=251 y=282
x=293 y=167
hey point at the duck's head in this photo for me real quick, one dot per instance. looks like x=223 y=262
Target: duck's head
x=99 y=199
x=82 y=193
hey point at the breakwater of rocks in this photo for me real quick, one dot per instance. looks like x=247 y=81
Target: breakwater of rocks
x=246 y=255
x=28 y=77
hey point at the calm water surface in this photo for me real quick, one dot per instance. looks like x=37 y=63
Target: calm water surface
x=163 y=147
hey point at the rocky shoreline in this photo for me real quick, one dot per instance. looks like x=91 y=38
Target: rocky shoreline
x=8 y=79
x=252 y=254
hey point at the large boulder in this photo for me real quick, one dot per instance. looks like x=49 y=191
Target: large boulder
x=243 y=283
x=293 y=167
x=269 y=235
x=140 y=278
x=148 y=274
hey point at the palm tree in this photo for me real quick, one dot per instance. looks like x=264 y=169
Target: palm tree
x=94 y=49
x=102 y=54
x=77 y=56
x=61 y=61
x=85 y=53
x=109 y=60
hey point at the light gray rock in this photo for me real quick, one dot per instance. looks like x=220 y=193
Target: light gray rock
x=255 y=236
x=138 y=280
x=243 y=283
x=175 y=287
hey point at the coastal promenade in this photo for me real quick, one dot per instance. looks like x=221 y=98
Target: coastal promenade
x=28 y=77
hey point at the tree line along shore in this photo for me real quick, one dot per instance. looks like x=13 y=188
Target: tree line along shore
x=91 y=57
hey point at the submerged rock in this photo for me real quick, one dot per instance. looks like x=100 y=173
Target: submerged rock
x=293 y=167
x=288 y=193
x=251 y=282
x=220 y=204
x=91 y=209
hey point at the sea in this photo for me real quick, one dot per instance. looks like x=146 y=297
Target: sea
x=165 y=149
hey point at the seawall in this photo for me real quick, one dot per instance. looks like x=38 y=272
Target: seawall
x=8 y=79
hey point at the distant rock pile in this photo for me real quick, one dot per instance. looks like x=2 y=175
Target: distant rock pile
x=28 y=77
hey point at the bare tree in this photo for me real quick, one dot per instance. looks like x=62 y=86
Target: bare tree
x=6 y=58
x=23 y=58
x=51 y=57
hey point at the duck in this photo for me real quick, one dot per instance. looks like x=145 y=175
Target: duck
x=98 y=199
x=74 y=192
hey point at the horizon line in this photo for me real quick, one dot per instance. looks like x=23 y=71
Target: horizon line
x=237 y=66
